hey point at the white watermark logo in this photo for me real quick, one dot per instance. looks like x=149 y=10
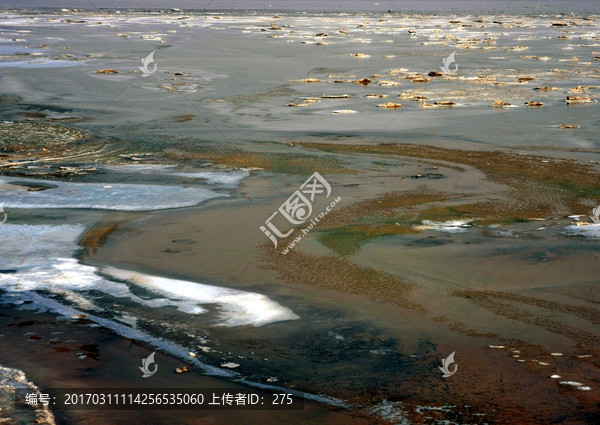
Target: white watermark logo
x=447 y=62
x=146 y=363
x=145 y=63
x=595 y=218
x=298 y=208
x=2 y=212
x=446 y=366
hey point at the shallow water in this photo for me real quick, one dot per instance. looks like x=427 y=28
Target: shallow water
x=239 y=75
x=225 y=84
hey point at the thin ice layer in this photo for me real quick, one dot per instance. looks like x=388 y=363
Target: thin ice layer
x=115 y=196
x=40 y=257
x=237 y=307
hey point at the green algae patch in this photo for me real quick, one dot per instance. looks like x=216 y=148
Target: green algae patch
x=348 y=240
x=348 y=229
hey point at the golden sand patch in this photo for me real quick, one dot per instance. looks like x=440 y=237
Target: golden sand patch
x=96 y=235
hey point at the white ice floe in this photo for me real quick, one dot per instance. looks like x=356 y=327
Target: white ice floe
x=575 y=385
x=591 y=231
x=391 y=412
x=226 y=178
x=40 y=257
x=114 y=196
x=15 y=379
x=237 y=308
x=231 y=178
x=451 y=226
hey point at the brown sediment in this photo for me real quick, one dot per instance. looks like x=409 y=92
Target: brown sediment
x=546 y=88
x=106 y=71
x=96 y=235
x=461 y=327
x=590 y=314
x=419 y=79
x=184 y=118
x=376 y=96
x=525 y=78
x=390 y=105
x=285 y=163
x=481 y=213
x=543 y=185
x=578 y=99
x=51 y=147
x=44 y=143
x=338 y=274
x=37 y=137
x=494 y=301
x=412 y=96
x=386 y=205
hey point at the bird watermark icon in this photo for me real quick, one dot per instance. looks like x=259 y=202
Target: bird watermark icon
x=446 y=366
x=449 y=61
x=596 y=215
x=146 y=363
x=145 y=63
